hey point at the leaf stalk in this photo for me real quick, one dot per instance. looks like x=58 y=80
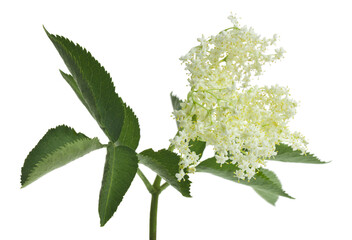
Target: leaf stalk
x=146 y=182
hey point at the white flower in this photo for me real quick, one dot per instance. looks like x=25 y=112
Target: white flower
x=221 y=159
x=180 y=175
x=242 y=122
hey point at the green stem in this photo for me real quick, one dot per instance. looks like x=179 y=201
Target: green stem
x=153 y=216
x=154 y=209
x=162 y=187
x=156 y=190
x=146 y=182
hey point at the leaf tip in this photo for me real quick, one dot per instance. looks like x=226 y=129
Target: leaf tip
x=46 y=31
x=62 y=72
x=103 y=219
x=290 y=197
x=102 y=224
x=24 y=184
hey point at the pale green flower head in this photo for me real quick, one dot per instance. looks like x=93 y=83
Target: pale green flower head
x=241 y=121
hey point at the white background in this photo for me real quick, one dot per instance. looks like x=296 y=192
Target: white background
x=139 y=43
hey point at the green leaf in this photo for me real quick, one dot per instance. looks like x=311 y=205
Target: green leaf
x=285 y=153
x=58 y=147
x=120 y=168
x=197 y=147
x=261 y=181
x=165 y=164
x=268 y=196
x=130 y=133
x=93 y=86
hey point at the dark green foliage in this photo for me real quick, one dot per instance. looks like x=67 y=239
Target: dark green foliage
x=95 y=89
x=120 y=168
x=94 y=80
x=130 y=133
x=263 y=181
x=165 y=164
x=58 y=147
x=285 y=153
x=197 y=147
x=93 y=85
x=267 y=195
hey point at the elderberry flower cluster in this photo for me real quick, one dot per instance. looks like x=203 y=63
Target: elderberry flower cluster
x=242 y=122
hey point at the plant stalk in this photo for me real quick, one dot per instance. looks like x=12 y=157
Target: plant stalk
x=154 y=208
x=153 y=216
x=155 y=191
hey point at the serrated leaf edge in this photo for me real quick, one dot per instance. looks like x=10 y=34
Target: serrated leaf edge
x=303 y=155
x=55 y=38
x=243 y=182
x=61 y=148
x=284 y=193
x=81 y=71
x=104 y=220
x=126 y=106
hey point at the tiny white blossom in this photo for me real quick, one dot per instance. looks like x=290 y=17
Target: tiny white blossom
x=180 y=175
x=221 y=159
